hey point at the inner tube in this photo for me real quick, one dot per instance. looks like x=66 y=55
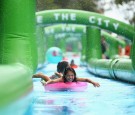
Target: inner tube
x=69 y=86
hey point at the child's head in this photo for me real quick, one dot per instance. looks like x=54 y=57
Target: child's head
x=61 y=66
x=69 y=75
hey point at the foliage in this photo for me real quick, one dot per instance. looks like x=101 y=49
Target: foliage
x=122 y=1
x=87 y=5
x=132 y=21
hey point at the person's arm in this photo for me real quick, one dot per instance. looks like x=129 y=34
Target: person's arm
x=95 y=84
x=41 y=75
x=54 y=81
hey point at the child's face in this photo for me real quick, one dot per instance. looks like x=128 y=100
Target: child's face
x=70 y=76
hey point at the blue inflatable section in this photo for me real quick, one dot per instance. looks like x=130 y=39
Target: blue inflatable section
x=54 y=55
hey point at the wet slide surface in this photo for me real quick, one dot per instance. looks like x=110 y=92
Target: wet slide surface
x=111 y=98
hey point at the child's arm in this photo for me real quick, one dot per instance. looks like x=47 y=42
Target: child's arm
x=54 y=81
x=41 y=75
x=95 y=84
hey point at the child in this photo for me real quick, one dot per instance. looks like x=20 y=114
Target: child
x=60 y=69
x=69 y=75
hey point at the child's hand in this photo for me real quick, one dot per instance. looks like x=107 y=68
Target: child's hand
x=95 y=84
x=43 y=82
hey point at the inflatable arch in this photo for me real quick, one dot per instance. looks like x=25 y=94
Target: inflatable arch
x=45 y=18
x=71 y=30
x=81 y=30
x=116 y=68
x=65 y=28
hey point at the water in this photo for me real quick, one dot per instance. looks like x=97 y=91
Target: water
x=111 y=98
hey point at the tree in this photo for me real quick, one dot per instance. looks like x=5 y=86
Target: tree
x=87 y=5
x=121 y=2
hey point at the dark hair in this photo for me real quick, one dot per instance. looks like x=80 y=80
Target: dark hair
x=65 y=73
x=61 y=66
x=72 y=62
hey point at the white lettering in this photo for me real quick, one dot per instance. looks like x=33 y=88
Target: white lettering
x=68 y=29
x=115 y=25
x=107 y=22
x=64 y=16
x=73 y=16
x=84 y=30
x=92 y=19
x=56 y=16
x=63 y=28
x=99 y=21
x=48 y=31
x=52 y=30
x=73 y=29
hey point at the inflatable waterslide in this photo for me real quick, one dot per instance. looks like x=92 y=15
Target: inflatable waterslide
x=18 y=49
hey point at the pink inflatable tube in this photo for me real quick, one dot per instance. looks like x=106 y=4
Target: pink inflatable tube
x=73 y=86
